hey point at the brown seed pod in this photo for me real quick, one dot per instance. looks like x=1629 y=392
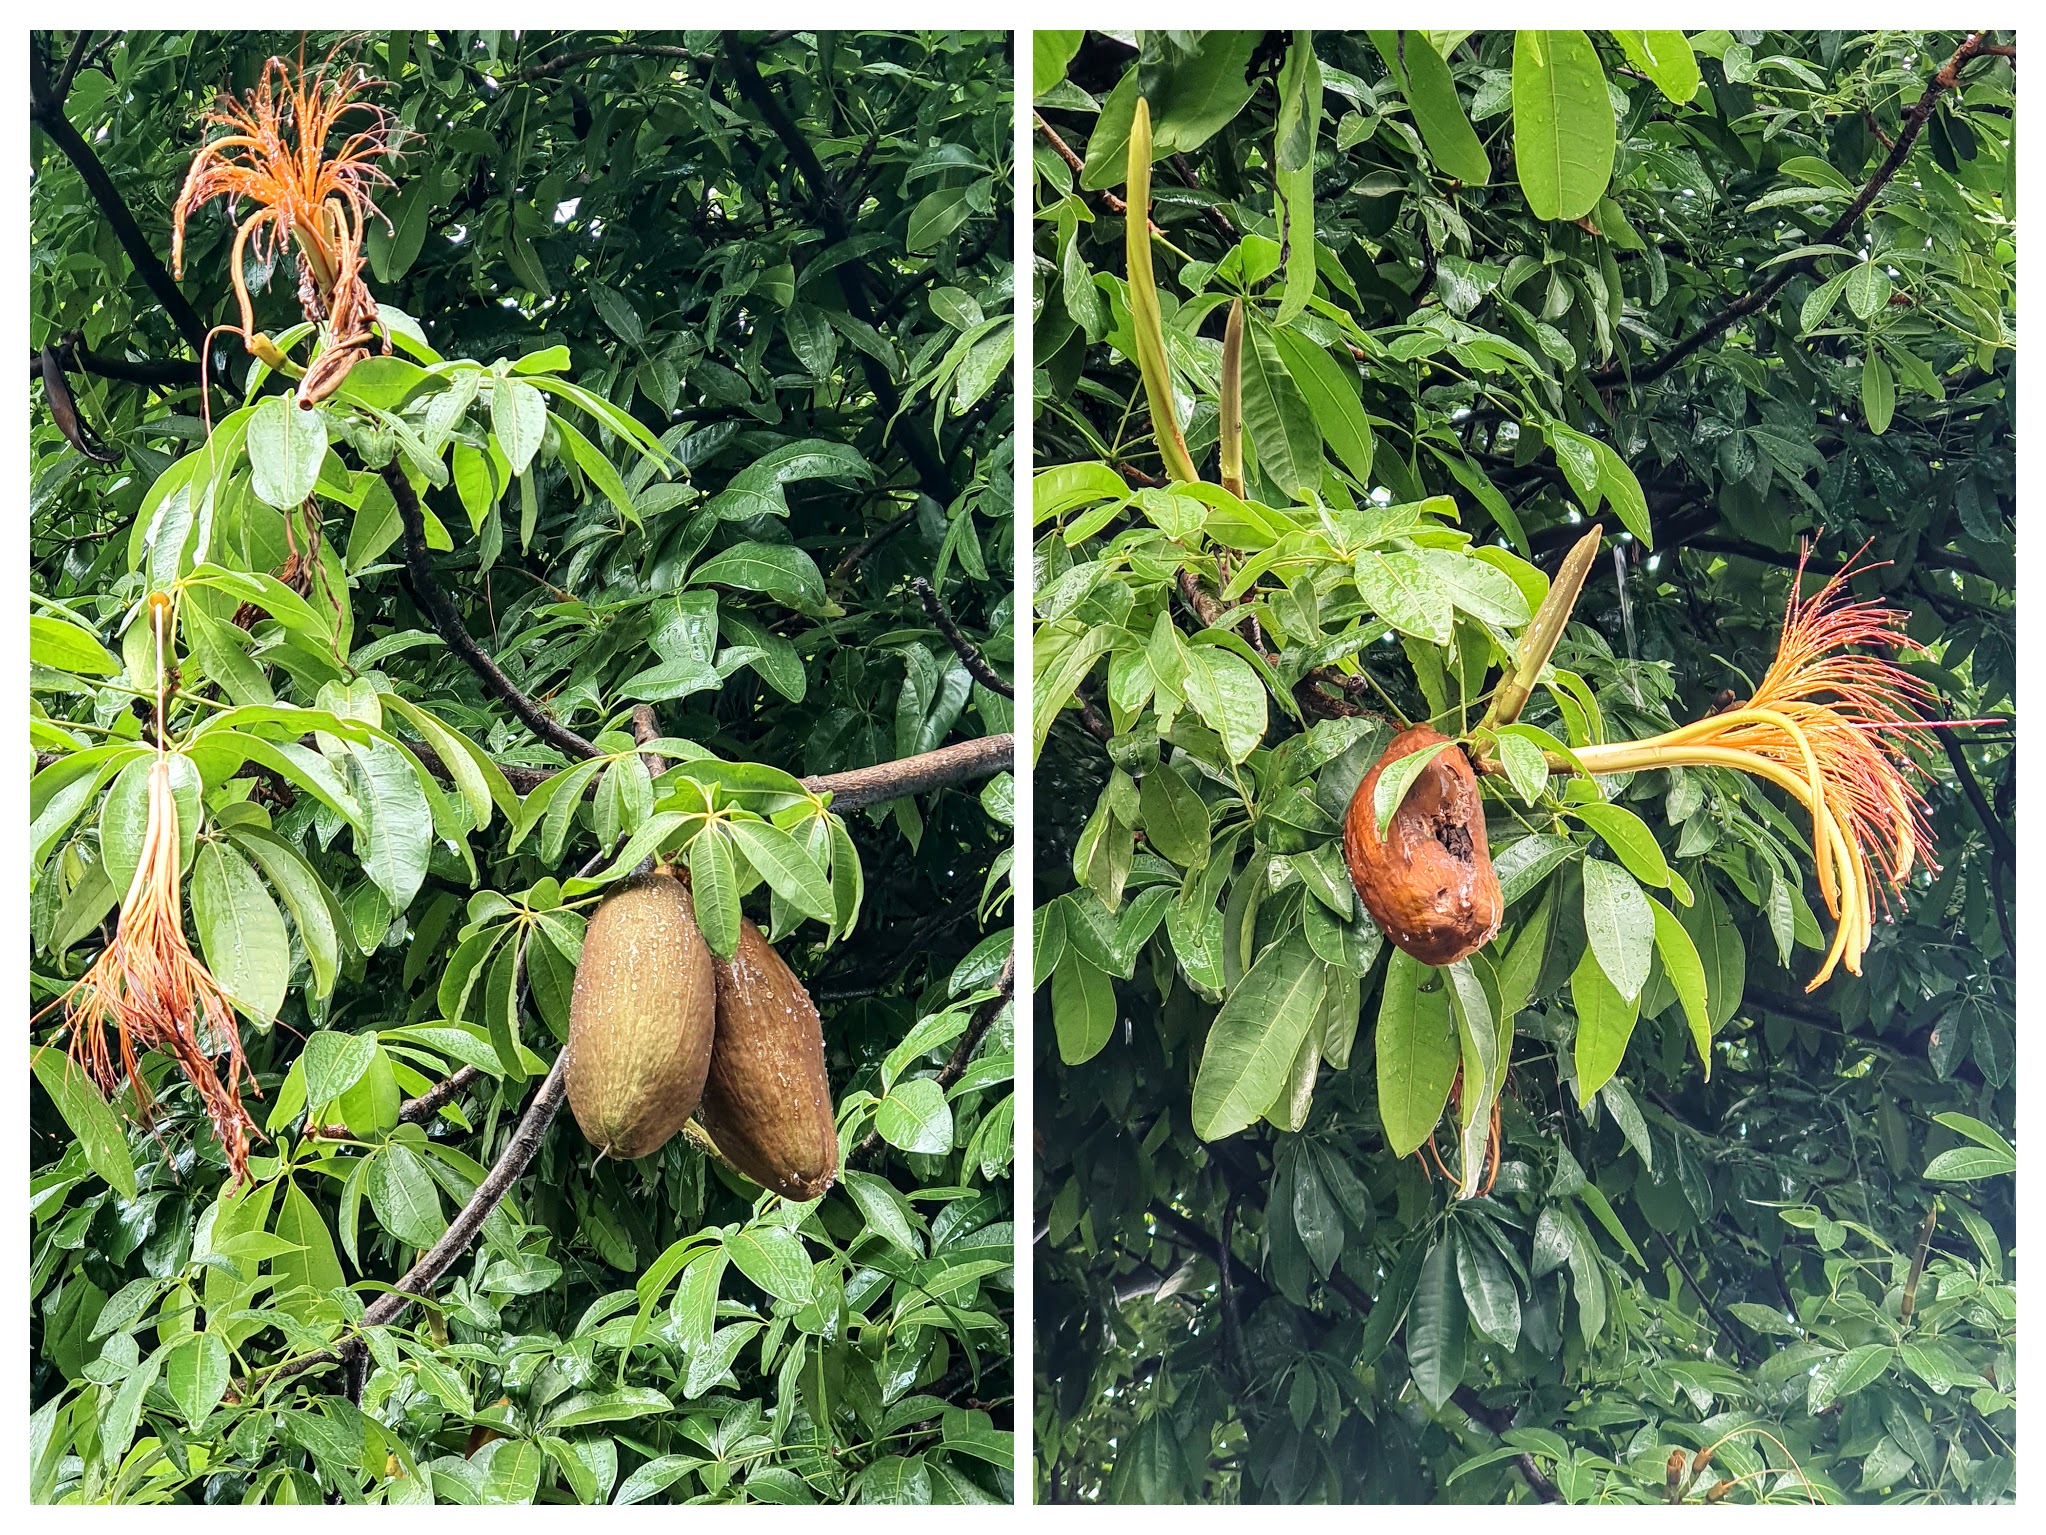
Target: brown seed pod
x=640 y=1019
x=1429 y=885
x=767 y=1102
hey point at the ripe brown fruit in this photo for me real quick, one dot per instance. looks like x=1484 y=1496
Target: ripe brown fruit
x=1429 y=884
x=640 y=1019
x=767 y=1102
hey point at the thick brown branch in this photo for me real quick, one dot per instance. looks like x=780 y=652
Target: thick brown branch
x=518 y=1154
x=859 y=787
x=1915 y=120
x=969 y=657
x=151 y=371
x=47 y=113
x=448 y=623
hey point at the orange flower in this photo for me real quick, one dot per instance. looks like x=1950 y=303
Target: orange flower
x=151 y=987
x=275 y=154
x=1827 y=725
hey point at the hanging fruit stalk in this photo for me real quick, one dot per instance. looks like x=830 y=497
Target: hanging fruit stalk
x=148 y=984
x=1428 y=882
x=1231 y=412
x=1538 y=643
x=767 y=1100
x=1146 y=320
x=640 y=1018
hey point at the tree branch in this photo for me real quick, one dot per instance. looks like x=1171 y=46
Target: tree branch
x=150 y=371
x=969 y=657
x=851 y=275
x=417 y=1111
x=1947 y=78
x=856 y=788
x=46 y=111
x=560 y=62
x=448 y=623
x=954 y=1068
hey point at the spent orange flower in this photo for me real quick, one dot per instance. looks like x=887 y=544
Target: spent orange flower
x=149 y=986
x=1828 y=726
x=275 y=155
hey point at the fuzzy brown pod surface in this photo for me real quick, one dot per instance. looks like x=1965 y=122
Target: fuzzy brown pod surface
x=641 y=1018
x=1429 y=883
x=767 y=1103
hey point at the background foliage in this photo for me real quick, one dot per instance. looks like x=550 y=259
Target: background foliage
x=1243 y=1294
x=764 y=282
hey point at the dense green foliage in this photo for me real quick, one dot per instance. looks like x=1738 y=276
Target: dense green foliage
x=738 y=309
x=1247 y=1290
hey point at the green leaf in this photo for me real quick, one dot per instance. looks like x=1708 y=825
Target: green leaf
x=196 y=1370
x=1563 y=133
x=1417 y=1053
x=620 y=1406
x=518 y=420
x=1620 y=925
x=1431 y=97
x=240 y=930
x=1878 y=392
x=1686 y=972
x=1082 y=1008
x=782 y=571
x=1282 y=427
x=99 y=1133
x=315 y=1268
x=1299 y=120
x=1255 y=1038
x=1488 y=1292
x=1175 y=817
x=1437 y=1325
x=1479 y=589
x=1402 y=590
x=1229 y=698
x=1050 y=53
x=715 y=884
x=1629 y=837
x=68 y=647
x=915 y=1117
x=1720 y=951
x=1332 y=400
x=790 y=871
x=405 y=1197
x=1605 y=1022
x=1397 y=779
x=1666 y=58
x=286 y=445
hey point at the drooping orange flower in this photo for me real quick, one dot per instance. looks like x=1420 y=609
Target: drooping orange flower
x=149 y=985
x=1827 y=725
x=275 y=154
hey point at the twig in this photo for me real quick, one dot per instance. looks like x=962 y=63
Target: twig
x=1497 y=1423
x=851 y=275
x=417 y=1111
x=954 y=1068
x=867 y=545
x=1113 y=203
x=1915 y=120
x=448 y=623
x=974 y=662
x=153 y=372
x=47 y=113
x=1719 y=1318
x=554 y=66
